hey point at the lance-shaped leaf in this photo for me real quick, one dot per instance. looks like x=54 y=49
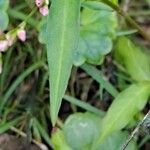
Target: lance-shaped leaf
x=62 y=34
x=134 y=59
x=124 y=107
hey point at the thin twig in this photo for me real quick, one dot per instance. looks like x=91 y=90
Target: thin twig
x=127 y=17
x=136 y=130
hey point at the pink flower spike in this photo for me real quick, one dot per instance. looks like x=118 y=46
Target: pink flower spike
x=3 y=45
x=39 y=3
x=21 y=35
x=44 y=10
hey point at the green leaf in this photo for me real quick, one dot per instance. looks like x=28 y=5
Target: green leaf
x=63 y=33
x=42 y=31
x=96 y=5
x=3 y=20
x=84 y=105
x=81 y=129
x=115 y=1
x=124 y=107
x=43 y=133
x=100 y=78
x=134 y=59
x=116 y=141
x=96 y=34
x=59 y=141
x=4 y=4
x=7 y=125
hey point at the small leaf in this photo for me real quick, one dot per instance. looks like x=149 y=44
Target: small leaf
x=95 y=33
x=81 y=129
x=58 y=141
x=63 y=33
x=124 y=107
x=135 y=60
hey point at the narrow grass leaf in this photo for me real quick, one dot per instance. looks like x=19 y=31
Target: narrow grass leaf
x=20 y=78
x=43 y=133
x=7 y=125
x=84 y=105
x=99 y=77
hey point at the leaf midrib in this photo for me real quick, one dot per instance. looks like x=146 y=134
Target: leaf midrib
x=64 y=18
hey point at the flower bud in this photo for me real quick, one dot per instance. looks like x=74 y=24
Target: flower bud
x=39 y=3
x=3 y=45
x=21 y=35
x=44 y=10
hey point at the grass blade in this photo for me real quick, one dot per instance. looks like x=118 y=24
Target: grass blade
x=97 y=75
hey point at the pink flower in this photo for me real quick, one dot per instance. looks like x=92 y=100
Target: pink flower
x=21 y=35
x=3 y=45
x=39 y=3
x=44 y=10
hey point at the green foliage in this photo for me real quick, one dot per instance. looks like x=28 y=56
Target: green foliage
x=3 y=14
x=63 y=34
x=79 y=32
x=124 y=108
x=99 y=77
x=4 y=126
x=4 y=5
x=81 y=130
x=95 y=33
x=59 y=141
x=42 y=31
x=115 y=142
x=134 y=59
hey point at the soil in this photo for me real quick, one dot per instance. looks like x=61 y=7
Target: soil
x=10 y=142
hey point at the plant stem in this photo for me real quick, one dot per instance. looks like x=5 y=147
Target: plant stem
x=136 y=130
x=128 y=18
